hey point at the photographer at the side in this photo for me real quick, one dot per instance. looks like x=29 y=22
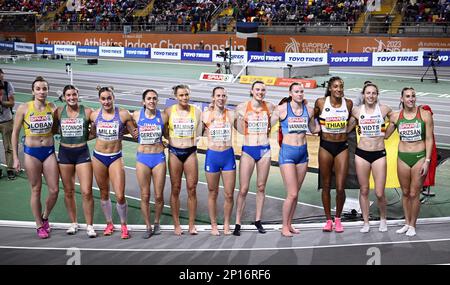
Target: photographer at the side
x=6 y=122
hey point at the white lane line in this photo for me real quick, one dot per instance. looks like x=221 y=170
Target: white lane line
x=229 y=249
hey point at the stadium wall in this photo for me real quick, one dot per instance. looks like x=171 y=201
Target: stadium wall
x=282 y=43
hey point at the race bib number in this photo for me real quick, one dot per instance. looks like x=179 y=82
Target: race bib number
x=108 y=131
x=297 y=124
x=41 y=124
x=336 y=125
x=410 y=132
x=257 y=124
x=220 y=132
x=183 y=127
x=72 y=127
x=150 y=134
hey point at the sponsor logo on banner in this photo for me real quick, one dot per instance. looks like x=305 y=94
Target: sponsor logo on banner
x=306 y=47
x=236 y=56
x=442 y=58
x=204 y=55
x=413 y=58
x=25 y=47
x=137 y=52
x=6 y=45
x=266 y=56
x=66 y=50
x=350 y=59
x=111 y=51
x=162 y=53
x=216 y=77
x=87 y=50
x=249 y=79
x=380 y=45
x=307 y=83
x=47 y=48
x=316 y=58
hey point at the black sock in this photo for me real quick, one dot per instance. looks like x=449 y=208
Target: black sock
x=237 y=230
x=259 y=226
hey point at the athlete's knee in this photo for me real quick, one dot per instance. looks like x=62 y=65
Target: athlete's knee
x=159 y=199
x=228 y=197
x=261 y=187
x=69 y=192
x=175 y=191
x=243 y=192
x=380 y=197
x=340 y=193
x=86 y=195
x=212 y=191
x=192 y=192
x=292 y=196
x=145 y=197
x=413 y=195
x=364 y=192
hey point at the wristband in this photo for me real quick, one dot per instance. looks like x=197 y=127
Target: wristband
x=428 y=160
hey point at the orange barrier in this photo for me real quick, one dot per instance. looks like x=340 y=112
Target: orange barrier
x=307 y=83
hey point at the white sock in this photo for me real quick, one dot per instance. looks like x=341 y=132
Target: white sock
x=107 y=209
x=403 y=230
x=383 y=226
x=365 y=228
x=122 y=209
x=411 y=231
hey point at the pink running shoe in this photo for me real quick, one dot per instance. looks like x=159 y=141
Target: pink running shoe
x=46 y=225
x=328 y=226
x=109 y=229
x=42 y=233
x=338 y=226
x=124 y=234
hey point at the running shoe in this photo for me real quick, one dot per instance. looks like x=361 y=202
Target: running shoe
x=338 y=225
x=109 y=229
x=90 y=231
x=46 y=225
x=73 y=229
x=42 y=233
x=124 y=234
x=328 y=226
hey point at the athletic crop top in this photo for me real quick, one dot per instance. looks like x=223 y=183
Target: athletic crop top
x=74 y=130
x=150 y=130
x=256 y=122
x=371 y=125
x=38 y=123
x=294 y=124
x=411 y=130
x=109 y=130
x=182 y=127
x=334 y=120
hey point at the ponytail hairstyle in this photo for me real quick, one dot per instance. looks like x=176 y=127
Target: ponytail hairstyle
x=253 y=85
x=284 y=100
x=180 y=86
x=330 y=81
x=103 y=89
x=402 y=105
x=39 y=79
x=294 y=84
x=69 y=87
